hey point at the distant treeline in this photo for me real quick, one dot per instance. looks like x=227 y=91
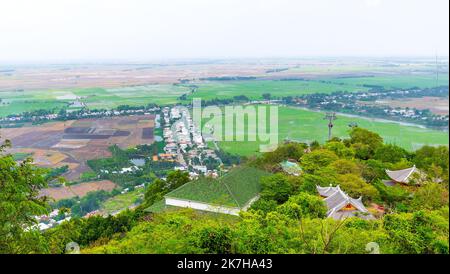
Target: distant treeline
x=228 y=78
x=276 y=70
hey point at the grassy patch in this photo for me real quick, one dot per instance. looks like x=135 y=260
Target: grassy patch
x=122 y=201
x=306 y=126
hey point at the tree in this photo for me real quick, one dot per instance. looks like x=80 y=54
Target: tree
x=215 y=239
x=264 y=205
x=392 y=195
x=276 y=187
x=19 y=204
x=364 y=142
x=340 y=149
x=177 y=178
x=314 y=145
x=266 y=96
x=418 y=233
x=303 y=205
x=355 y=187
x=434 y=160
x=364 y=136
x=372 y=170
x=430 y=196
x=317 y=159
x=286 y=151
x=344 y=166
x=158 y=188
x=390 y=153
x=310 y=181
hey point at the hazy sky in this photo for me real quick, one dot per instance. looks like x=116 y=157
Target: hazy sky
x=58 y=30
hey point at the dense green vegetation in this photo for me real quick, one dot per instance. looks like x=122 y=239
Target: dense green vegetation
x=191 y=232
x=289 y=217
x=109 y=168
x=19 y=202
x=79 y=207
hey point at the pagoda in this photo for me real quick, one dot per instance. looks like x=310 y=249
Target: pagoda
x=341 y=206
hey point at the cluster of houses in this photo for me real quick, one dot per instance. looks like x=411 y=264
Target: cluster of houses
x=185 y=145
x=54 y=218
x=82 y=113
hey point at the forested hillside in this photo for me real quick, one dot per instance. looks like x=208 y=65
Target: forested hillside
x=289 y=217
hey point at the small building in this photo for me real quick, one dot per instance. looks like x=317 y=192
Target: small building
x=402 y=176
x=200 y=168
x=167 y=157
x=291 y=168
x=180 y=168
x=234 y=192
x=341 y=206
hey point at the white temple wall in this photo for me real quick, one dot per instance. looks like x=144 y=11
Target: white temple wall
x=202 y=206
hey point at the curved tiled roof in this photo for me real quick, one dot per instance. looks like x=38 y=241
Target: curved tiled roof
x=401 y=176
x=327 y=191
x=336 y=199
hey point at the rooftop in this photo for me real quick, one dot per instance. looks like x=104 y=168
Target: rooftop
x=401 y=176
x=235 y=189
x=337 y=202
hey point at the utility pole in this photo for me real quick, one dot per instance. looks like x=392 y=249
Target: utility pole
x=330 y=116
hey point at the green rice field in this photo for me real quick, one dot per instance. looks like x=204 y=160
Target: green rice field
x=254 y=89
x=306 y=126
x=16 y=102
x=395 y=81
x=95 y=98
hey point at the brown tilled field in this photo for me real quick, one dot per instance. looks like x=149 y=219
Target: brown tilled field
x=73 y=142
x=437 y=105
x=80 y=190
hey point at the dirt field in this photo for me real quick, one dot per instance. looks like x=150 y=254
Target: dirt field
x=73 y=142
x=80 y=190
x=120 y=75
x=436 y=105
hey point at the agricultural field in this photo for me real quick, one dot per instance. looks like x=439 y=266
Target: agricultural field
x=395 y=81
x=74 y=142
x=94 y=98
x=80 y=190
x=254 y=89
x=134 y=95
x=436 y=105
x=108 y=86
x=306 y=126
